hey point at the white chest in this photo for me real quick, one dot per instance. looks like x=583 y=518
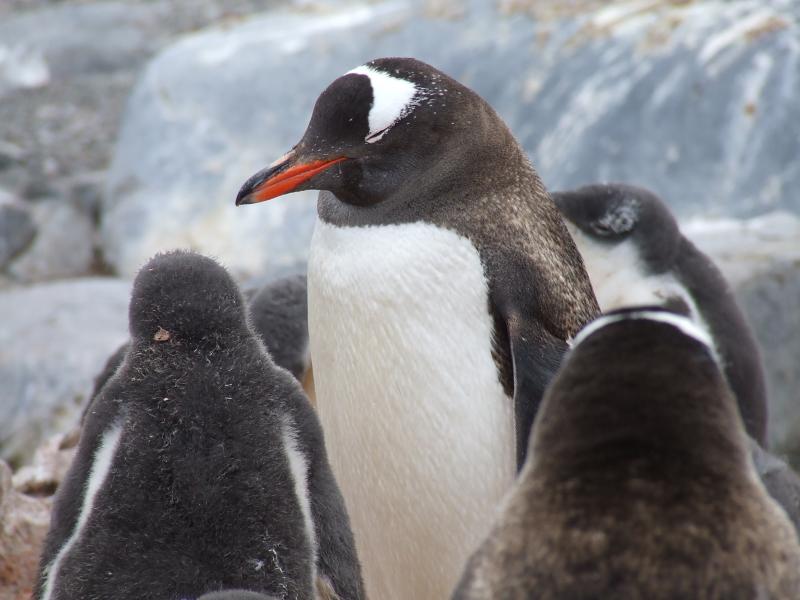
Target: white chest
x=620 y=279
x=418 y=428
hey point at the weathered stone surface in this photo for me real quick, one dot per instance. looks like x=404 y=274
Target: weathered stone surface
x=63 y=247
x=690 y=99
x=17 y=228
x=50 y=463
x=24 y=521
x=54 y=340
x=760 y=257
x=66 y=69
x=599 y=94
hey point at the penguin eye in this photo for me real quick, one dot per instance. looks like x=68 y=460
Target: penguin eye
x=374 y=137
x=616 y=222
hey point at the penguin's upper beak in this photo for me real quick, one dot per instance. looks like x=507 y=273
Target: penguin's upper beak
x=281 y=177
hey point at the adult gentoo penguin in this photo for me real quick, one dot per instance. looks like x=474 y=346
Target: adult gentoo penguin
x=639 y=482
x=442 y=290
x=635 y=254
x=201 y=465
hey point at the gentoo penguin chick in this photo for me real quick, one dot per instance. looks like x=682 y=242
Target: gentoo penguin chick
x=201 y=465
x=636 y=255
x=639 y=482
x=279 y=314
x=442 y=288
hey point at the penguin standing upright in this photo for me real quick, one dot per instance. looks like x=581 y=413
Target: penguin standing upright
x=635 y=254
x=442 y=288
x=201 y=466
x=639 y=483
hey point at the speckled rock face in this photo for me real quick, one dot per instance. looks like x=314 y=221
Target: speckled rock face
x=692 y=100
x=66 y=69
x=54 y=340
x=17 y=228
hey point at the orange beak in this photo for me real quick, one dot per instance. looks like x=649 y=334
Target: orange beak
x=281 y=177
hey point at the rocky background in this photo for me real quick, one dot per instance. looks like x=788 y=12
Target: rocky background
x=127 y=128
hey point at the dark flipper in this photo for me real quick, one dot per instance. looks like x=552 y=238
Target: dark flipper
x=536 y=356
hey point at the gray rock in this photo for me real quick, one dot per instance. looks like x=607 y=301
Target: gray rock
x=760 y=257
x=54 y=339
x=66 y=69
x=49 y=466
x=64 y=244
x=691 y=100
x=25 y=520
x=85 y=191
x=672 y=96
x=17 y=229
x=69 y=40
x=772 y=301
x=10 y=154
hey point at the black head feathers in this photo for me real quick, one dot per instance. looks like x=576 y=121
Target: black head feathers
x=183 y=296
x=375 y=129
x=614 y=212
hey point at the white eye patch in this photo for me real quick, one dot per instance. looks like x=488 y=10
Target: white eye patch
x=684 y=324
x=393 y=99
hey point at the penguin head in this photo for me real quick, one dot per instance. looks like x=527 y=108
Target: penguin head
x=639 y=384
x=613 y=213
x=372 y=130
x=182 y=296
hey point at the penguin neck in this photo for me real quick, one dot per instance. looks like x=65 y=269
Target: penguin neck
x=606 y=431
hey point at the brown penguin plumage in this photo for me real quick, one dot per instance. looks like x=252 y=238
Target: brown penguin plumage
x=640 y=484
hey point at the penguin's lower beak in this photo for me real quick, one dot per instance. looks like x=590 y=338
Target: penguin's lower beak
x=281 y=177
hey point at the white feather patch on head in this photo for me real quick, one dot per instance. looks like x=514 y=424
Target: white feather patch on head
x=684 y=324
x=392 y=99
